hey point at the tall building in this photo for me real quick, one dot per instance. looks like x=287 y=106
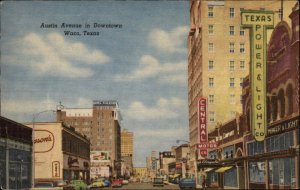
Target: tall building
x=127 y=153
x=218 y=57
x=100 y=124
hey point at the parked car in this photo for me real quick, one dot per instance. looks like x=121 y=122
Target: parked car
x=98 y=183
x=79 y=185
x=64 y=184
x=187 y=183
x=116 y=183
x=107 y=183
x=158 y=181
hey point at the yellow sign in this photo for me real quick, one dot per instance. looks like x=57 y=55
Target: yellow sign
x=258 y=22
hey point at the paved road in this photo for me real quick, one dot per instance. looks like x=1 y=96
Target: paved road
x=144 y=186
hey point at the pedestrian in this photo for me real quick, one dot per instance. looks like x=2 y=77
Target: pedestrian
x=203 y=182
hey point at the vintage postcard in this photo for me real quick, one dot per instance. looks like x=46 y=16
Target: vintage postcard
x=143 y=94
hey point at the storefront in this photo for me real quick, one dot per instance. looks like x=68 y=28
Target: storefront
x=274 y=162
x=15 y=155
x=60 y=153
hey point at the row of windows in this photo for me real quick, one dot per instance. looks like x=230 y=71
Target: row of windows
x=211 y=82
x=232 y=99
x=211 y=65
x=212 y=115
x=74 y=145
x=210 y=13
x=211 y=29
x=231 y=47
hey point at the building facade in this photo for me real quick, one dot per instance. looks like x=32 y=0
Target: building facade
x=60 y=153
x=127 y=153
x=15 y=155
x=101 y=124
x=218 y=58
x=241 y=162
x=165 y=158
x=140 y=173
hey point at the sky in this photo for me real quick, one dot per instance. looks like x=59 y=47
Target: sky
x=142 y=64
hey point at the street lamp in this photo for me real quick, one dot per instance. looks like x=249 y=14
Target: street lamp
x=34 y=117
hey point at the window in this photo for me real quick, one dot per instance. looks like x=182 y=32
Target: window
x=211 y=99
x=242 y=31
x=211 y=82
x=231 y=30
x=241 y=81
x=211 y=116
x=279 y=13
x=256 y=172
x=231 y=83
x=230 y=177
x=232 y=99
x=231 y=12
x=232 y=114
x=210 y=47
x=210 y=29
x=242 y=47
x=210 y=65
x=231 y=65
x=242 y=65
x=210 y=11
x=231 y=47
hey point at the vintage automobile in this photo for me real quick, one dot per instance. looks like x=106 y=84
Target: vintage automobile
x=78 y=185
x=116 y=183
x=98 y=183
x=187 y=183
x=158 y=181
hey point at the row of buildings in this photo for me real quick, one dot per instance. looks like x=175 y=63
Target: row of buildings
x=219 y=70
x=80 y=144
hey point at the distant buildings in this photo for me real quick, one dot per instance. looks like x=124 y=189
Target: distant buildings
x=60 y=152
x=102 y=125
x=127 y=153
x=15 y=155
x=140 y=173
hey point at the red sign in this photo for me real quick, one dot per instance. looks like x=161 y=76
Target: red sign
x=207 y=145
x=202 y=127
x=202 y=109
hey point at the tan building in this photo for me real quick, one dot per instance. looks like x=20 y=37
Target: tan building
x=127 y=153
x=101 y=124
x=60 y=152
x=140 y=172
x=218 y=57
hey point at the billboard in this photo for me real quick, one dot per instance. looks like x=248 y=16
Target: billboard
x=100 y=171
x=202 y=127
x=100 y=156
x=258 y=21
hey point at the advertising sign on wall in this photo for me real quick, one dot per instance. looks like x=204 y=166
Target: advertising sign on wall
x=100 y=156
x=202 y=127
x=258 y=21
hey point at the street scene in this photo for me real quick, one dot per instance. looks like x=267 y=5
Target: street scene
x=191 y=94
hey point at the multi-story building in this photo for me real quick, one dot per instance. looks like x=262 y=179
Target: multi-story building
x=60 y=153
x=101 y=124
x=165 y=158
x=15 y=155
x=241 y=162
x=140 y=173
x=219 y=55
x=127 y=153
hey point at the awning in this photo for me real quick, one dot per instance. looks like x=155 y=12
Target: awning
x=208 y=169
x=223 y=169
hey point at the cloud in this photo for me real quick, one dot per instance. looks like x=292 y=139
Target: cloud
x=169 y=41
x=29 y=106
x=53 y=55
x=164 y=108
x=162 y=133
x=149 y=67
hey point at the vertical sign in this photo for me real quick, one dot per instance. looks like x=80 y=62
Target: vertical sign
x=258 y=21
x=55 y=169
x=202 y=127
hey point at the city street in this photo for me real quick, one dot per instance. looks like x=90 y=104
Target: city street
x=145 y=186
